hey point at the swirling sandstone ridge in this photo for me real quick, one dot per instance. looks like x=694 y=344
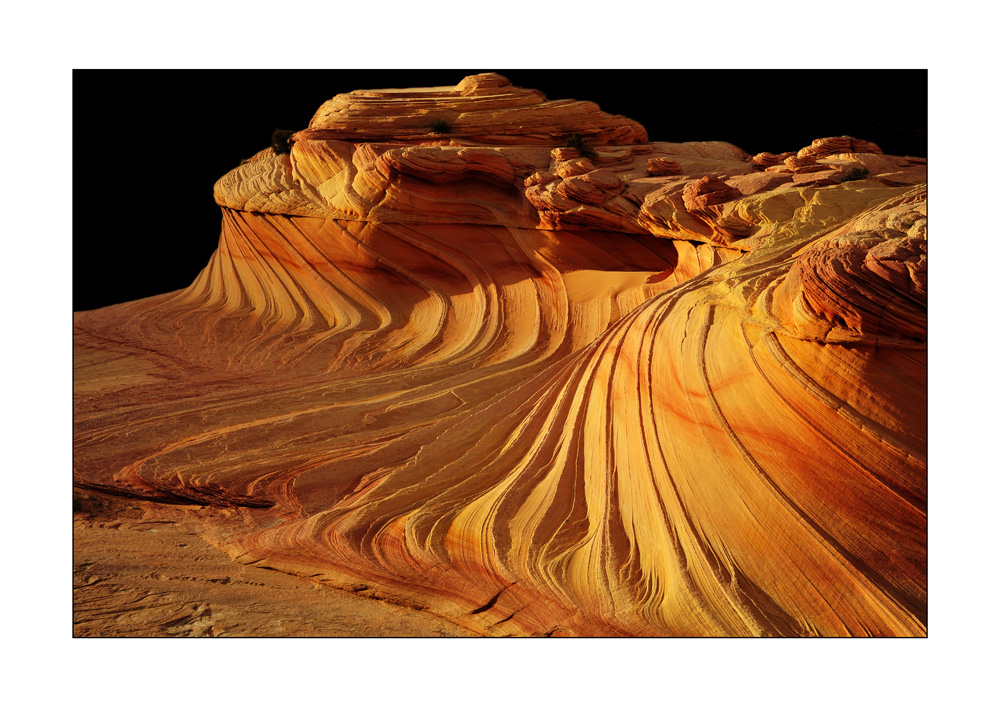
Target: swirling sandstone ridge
x=540 y=376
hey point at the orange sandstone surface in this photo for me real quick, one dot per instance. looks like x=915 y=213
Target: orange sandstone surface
x=528 y=374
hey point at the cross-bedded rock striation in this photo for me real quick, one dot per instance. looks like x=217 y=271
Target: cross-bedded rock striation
x=506 y=360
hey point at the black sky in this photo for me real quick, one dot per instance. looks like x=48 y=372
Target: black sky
x=149 y=145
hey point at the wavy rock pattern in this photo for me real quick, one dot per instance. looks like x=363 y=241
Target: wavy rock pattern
x=652 y=390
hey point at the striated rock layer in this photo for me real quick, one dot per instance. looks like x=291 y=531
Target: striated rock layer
x=529 y=372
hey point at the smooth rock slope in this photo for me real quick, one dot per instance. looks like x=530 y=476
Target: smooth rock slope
x=506 y=361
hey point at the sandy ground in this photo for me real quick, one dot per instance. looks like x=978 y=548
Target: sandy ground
x=143 y=573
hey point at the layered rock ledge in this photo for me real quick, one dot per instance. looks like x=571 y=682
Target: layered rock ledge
x=507 y=361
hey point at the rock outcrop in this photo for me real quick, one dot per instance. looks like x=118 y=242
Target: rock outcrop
x=507 y=361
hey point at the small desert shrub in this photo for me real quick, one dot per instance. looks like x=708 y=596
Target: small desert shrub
x=579 y=142
x=855 y=174
x=440 y=125
x=281 y=141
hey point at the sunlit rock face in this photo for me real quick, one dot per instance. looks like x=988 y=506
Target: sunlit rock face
x=532 y=373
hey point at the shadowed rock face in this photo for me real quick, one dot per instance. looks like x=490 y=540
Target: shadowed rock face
x=539 y=376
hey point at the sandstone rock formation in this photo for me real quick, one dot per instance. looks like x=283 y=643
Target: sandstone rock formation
x=506 y=360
